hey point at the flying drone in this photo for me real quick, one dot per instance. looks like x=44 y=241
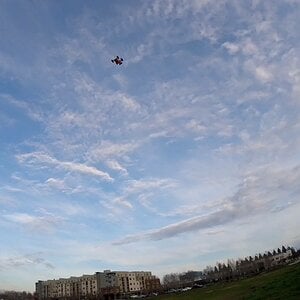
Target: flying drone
x=117 y=60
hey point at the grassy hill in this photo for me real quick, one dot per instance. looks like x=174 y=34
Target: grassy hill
x=280 y=284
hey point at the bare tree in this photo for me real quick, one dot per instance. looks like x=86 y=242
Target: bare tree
x=231 y=264
x=171 y=280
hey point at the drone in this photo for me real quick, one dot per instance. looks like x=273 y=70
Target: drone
x=117 y=60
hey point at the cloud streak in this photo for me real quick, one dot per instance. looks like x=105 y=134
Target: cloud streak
x=258 y=193
x=35 y=158
x=196 y=132
x=27 y=261
x=41 y=224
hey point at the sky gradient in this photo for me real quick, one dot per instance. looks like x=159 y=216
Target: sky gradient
x=185 y=155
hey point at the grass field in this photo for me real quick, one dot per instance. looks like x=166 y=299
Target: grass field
x=280 y=284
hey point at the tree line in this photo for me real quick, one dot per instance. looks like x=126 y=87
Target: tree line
x=232 y=269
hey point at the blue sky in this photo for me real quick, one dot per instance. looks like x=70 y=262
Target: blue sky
x=185 y=155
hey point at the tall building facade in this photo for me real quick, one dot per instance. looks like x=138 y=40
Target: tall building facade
x=131 y=282
x=72 y=287
x=100 y=283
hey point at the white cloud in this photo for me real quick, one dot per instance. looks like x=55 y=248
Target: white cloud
x=142 y=51
x=232 y=121
x=258 y=193
x=115 y=165
x=72 y=209
x=34 y=158
x=30 y=109
x=122 y=80
x=263 y=74
x=248 y=47
x=231 y=47
x=56 y=183
x=137 y=186
x=45 y=223
x=175 y=229
x=178 y=9
x=28 y=261
x=129 y=103
x=196 y=126
x=7 y=201
x=107 y=150
x=82 y=168
x=123 y=202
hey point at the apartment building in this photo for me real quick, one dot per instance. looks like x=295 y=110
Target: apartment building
x=132 y=282
x=72 y=287
x=152 y=284
x=100 y=283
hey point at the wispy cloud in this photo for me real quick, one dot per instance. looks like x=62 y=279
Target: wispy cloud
x=108 y=150
x=39 y=223
x=35 y=158
x=231 y=47
x=258 y=193
x=137 y=186
x=198 y=130
x=27 y=261
x=7 y=201
x=5 y=121
x=32 y=111
x=193 y=224
x=133 y=192
x=56 y=183
x=123 y=202
x=115 y=165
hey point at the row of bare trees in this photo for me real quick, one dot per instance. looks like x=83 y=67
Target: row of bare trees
x=13 y=295
x=175 y=280
x=226 y=271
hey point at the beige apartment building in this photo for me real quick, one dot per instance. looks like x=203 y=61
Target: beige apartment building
x=72 y=287
x=100 y=283
x=131 y=282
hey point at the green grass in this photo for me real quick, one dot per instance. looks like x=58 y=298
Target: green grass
x=280 y=284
